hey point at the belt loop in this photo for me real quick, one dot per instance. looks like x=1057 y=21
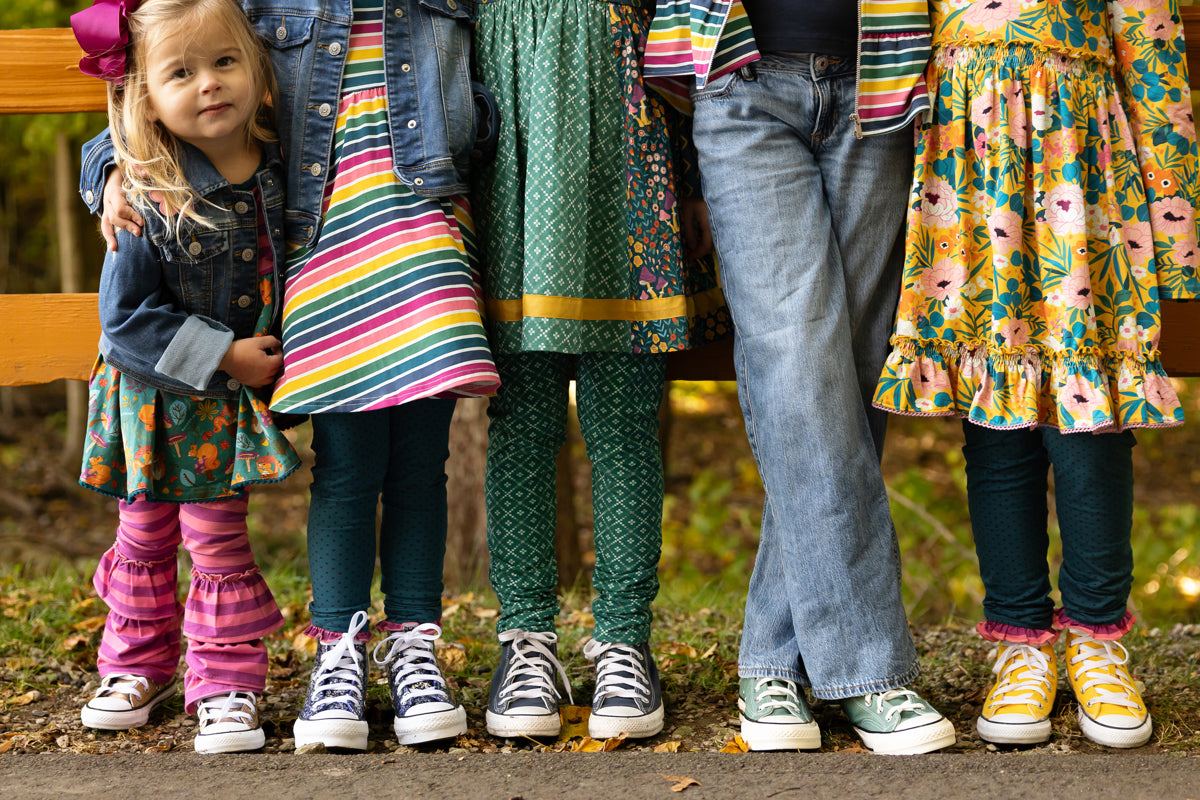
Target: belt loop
x=748 y=72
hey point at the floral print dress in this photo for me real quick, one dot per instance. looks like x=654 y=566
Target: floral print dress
x=1052 y=209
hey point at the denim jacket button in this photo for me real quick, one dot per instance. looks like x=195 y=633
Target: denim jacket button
x=281 y=33
x=240 y=207
x=90 y=196
x=325 y=109
x=419 y=181
x=194 y=248
x=399 y=13
x=412 y=123
x=450 y=4
x=244 y=301
x=405 y=67
x=248 y=254
x=315 y=169
x=335 y=49
x=233 y=385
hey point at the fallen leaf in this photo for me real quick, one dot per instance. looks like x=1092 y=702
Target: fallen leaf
x=304 y=644
x=854 y=748
x=486 y=613
x=587 y=745
x=91 y=624
x=735 y=745
x=677 y=649
x=709 y=652
x=667 y=747
x=77 y=641
x=574 y=722
x=6 y=745
x=681 y=782
x=450 y=610
x=24 y=699
x=83 y=605
x=454 y=659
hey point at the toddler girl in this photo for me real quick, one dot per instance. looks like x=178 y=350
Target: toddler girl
x=176 y=429
x=1053 y=206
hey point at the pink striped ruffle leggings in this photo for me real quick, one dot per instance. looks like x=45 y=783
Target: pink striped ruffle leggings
x=229 y=606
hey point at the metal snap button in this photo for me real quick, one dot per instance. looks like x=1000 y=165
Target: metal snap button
x=248 y=254
x=405 y=67
x=194 y=248
x=315 y=169
x=325 y=109
x=233 y=385
x=240 y=207
x=412 y=123
x=399 y=13
x=419 y=181
x=90 y=197
x=244 y=301
x=335 y=49
x=281 y=33
x=450 y=4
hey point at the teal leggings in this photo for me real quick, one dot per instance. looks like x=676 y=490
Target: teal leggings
x=1093 y=491
x=397 y=455
x=618 y=397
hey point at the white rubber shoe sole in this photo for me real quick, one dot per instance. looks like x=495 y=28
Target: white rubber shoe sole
x=608 y=726
x=347 y=734
x=512 y=726
x=910 y=741
x=780 y=736
x=431 y=727
x=1111 y=736
x=231 y=742
x=106 y=720
x=1015 y=732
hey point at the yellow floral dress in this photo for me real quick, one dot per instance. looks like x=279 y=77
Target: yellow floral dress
x=1053 y=206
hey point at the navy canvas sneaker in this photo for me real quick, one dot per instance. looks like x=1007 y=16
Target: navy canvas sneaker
x=420 y=697
x=524 y=698
x=334 y=711
x=628 y=699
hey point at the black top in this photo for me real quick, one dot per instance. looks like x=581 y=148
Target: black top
x=828 y=27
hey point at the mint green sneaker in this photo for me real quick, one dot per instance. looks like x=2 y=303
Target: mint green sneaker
x=775 y=716
x=898 y=723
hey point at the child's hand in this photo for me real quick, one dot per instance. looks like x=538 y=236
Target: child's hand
x=255 y=362
x=116 y=211
x=693 y=224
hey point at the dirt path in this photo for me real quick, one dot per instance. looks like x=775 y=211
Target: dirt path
x=611 y=776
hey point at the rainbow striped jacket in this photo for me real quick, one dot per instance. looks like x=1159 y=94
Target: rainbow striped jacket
x=705 y=39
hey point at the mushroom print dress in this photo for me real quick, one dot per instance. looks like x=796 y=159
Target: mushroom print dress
x=1052 y=209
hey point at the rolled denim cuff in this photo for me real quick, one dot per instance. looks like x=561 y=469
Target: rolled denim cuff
x=1001 y=632
x=195 y=352
x=1110 y=632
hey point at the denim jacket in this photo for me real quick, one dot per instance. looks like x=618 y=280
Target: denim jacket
x=432 y=103
x=169 y=309
x=440 y=120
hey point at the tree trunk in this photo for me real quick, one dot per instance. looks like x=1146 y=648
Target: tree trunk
x=466 y=538
x=70 y=265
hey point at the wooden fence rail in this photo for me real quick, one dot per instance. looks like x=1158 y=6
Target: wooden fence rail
x=53 y=336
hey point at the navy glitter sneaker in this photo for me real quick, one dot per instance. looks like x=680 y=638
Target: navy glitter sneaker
x=334 y=712
x=524 y=698
x=424 y=710
x=627 y=699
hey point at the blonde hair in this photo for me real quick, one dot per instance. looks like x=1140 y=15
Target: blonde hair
x=146 y=152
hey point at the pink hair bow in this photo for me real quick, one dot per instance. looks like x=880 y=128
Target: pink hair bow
x=103 y=32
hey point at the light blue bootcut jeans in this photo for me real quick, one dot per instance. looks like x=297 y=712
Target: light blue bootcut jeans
x=808 y=222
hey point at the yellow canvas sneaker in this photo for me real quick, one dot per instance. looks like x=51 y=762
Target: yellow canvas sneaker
x=1111 y=711
x=1017 y=709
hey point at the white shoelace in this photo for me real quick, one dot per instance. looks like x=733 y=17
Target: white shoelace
x=612 y=659
x=910 y=704
x=415 y=662
x=782 y=695
x=1097 y=674
x=1012 y=658
x=233 y=707
x=531 y=674
x=132 y=686
x=339 y=670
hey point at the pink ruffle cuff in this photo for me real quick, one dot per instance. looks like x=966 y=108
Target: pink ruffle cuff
x=1110 y=632
x=1000 y=632
x=230 y=609
x=322 y=635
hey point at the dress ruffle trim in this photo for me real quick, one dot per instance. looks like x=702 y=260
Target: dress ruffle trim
x=230 y=609
x=1024 y=387
x=137 y=590
x=322 y=635
x=1000 y=632
x=1110 y=632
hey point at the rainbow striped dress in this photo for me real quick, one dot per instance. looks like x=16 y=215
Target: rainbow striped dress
x=385 y=307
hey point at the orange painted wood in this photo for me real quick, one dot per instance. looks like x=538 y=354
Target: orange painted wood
x=40 y=69
x=46 y=337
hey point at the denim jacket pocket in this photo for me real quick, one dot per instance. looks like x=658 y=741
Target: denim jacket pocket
x=459 y=9
x=202 y=260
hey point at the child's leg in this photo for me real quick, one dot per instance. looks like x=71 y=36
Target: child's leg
x=137 y=579
x=351 y=461
x=528 y=428
x=1093 y=489
x=619 y=396
x=229 y=606
x=412 y=534
x=1006 y=492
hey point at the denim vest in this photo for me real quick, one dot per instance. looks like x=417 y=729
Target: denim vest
x=170 y=307
x=432 y=112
